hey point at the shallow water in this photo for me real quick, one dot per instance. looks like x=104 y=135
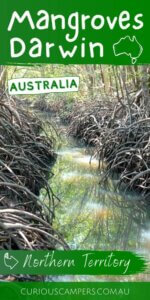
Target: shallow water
x=94 y=215
x=91 y=215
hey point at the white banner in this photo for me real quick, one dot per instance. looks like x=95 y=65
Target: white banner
x=31 y=86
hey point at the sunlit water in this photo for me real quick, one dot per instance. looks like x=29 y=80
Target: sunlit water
x=94 y=215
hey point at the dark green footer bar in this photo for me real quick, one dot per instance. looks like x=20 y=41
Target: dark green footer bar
x=80 y=290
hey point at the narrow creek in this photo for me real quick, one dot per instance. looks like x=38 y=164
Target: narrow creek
x=92 y=215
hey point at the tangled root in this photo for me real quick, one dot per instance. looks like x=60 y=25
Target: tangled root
x=25 y=160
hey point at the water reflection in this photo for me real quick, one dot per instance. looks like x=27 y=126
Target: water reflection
x=94 y=215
